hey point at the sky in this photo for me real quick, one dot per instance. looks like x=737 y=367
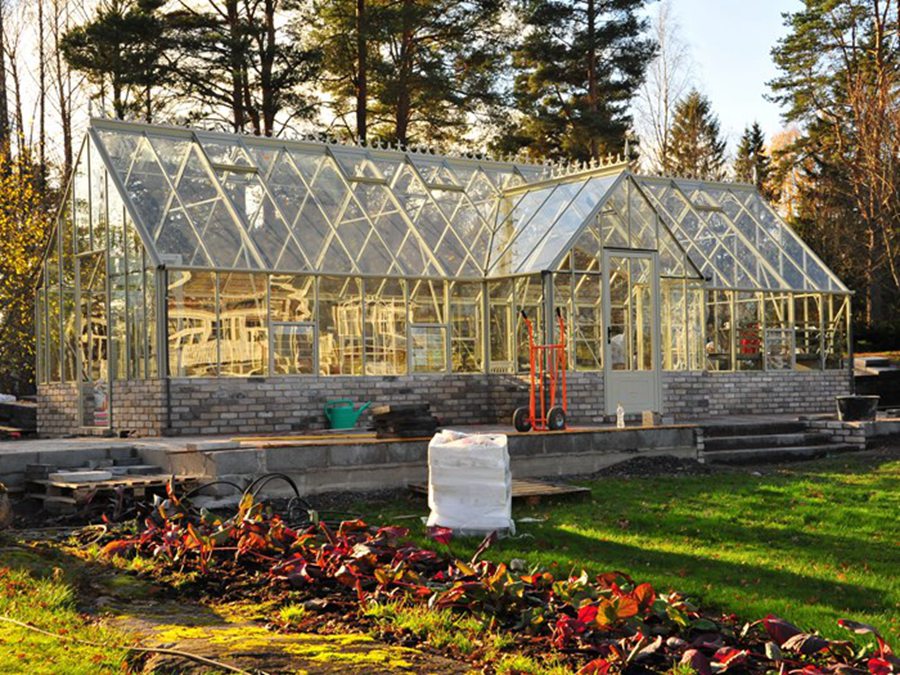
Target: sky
x=730 y=42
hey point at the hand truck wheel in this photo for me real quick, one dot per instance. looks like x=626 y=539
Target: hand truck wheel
x=521 y=419
x=556 y=419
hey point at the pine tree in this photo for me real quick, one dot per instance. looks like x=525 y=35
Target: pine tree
x=232 y=59
x=839 y=77
x=577 y=68
x=697 y=150
x=752 y=163
x=411 y=70
x=121 y=48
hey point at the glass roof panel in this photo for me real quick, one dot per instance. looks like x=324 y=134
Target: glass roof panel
x=210 y=199
x=572 y=217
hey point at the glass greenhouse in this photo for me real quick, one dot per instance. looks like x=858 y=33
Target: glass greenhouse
x=188 y=254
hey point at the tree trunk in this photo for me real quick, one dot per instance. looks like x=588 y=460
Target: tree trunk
x=592 y=70
x=267 y=59
x=4 y=103
x=236 y=62
x=62 y=91
x=362 y=88
x=42 y=100
x=404 y=98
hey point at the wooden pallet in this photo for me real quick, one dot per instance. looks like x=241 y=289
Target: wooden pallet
x=66 y=493
x=531 y=491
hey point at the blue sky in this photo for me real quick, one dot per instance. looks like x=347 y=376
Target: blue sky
x=730 y=42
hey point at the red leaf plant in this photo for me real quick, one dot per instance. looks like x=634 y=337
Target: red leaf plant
x=601 y=625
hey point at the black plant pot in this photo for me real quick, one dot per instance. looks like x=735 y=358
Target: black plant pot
x=857 y=408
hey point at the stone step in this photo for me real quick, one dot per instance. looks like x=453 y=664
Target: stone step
x=776 y=454
x=753 y=429
x=720 y=443
x=872 y=362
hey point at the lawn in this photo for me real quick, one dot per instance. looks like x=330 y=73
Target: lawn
x=811 y=542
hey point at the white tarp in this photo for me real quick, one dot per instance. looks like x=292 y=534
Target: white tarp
x=469 y=483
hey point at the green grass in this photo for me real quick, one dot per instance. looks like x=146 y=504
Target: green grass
x=810 y=542
x=41 y=590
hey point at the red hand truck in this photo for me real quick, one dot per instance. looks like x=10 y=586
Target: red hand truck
x=550 y=360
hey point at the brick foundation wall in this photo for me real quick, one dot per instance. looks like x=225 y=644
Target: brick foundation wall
x=58 y=409
x=273 y=404
x=210 y=406
x=689 y=395
x=139 y=407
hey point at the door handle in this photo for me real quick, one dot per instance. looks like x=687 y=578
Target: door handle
x=609 y=335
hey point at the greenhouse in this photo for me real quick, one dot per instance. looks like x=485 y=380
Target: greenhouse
x=203 y=282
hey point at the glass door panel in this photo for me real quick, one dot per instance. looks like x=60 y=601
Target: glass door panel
x=632 y=334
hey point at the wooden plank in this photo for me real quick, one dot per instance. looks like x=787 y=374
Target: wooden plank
x=530 y=490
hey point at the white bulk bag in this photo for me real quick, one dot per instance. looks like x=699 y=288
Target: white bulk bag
x=469 y=483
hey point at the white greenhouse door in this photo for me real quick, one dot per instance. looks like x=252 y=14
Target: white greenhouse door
x=631 y=316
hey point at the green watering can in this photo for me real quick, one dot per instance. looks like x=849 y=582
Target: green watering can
x=342 y=415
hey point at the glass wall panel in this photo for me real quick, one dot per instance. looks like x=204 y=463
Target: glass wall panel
x=748 y=331
x=81 y=204
x=426 y=302
x=117 y=317
x=150 y=285
x=674 y=324
x=585 y=322
x=54 y=367
x=696 y=309
x=466 y=327
x=529 y=297
x=385 y=326
x=429 y=349
x=340 y=312
x=40 y=333
x=719 y=331
x=808 y=331
x=99 y=190
x=428 y=331
x=292 y=298
x=243 y=324
x=779 y=341
x=837 y=317
x=500 y=325
x=293 y=347
x=70 y=330
x=193 y=328
x=95 y=321
x=138 y=329
x=631 y=312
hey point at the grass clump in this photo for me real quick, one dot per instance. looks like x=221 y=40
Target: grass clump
x=441 y=628
x=44 y=597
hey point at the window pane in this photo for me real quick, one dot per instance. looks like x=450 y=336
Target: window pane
x=385 y=327
x=340 y=326
x=808 y=331
x=294 y=349
x=836 y=327
x=193 y=329
x=500 y=320
x=426 y=302
x=529 y=297
x=779 y=333
x=719 y=330
x=243 y=325
x=466 y=327
x=292 y=298
x=674 y=325
x=429 y=349
x=586 y=322
x=696 y=298
x=748 y=331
